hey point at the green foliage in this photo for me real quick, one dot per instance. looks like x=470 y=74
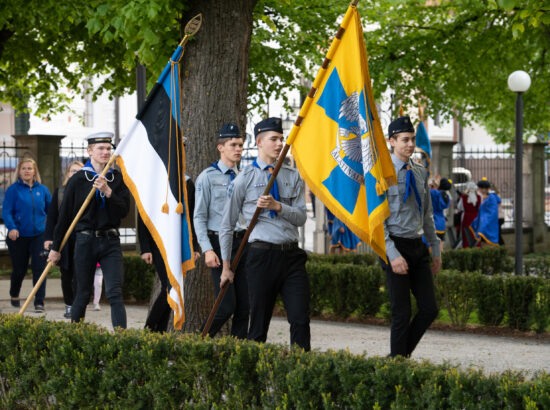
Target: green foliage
x=541 y=306
x=520 y=293
x=344 y=289
x=490 y=300
x=456 y=292
x=55 y=364
x=139 y=279
x=488 y=260
x=352 y=258
x=537 y=266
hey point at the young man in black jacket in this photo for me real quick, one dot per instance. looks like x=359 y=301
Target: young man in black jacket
x=97 y=236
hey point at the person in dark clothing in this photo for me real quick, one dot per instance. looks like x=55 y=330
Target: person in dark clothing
x=159 y=315
x=66 y=264
x=97 y=237
x=24 y=212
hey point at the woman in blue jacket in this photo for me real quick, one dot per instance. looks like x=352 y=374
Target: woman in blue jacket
x=24 y=212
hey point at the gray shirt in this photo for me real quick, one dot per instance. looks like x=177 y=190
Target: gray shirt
x=405 y=220
x=243 y=196
x=210 y=196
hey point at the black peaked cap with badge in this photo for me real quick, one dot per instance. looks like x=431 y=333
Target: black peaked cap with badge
x=269 y=124
x=100 y=137
x=229 y=130
x=401 y=124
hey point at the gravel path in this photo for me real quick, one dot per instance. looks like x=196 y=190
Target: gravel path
x=489 y=353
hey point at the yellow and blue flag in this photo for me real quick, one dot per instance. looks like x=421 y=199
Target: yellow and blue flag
x=341 y=151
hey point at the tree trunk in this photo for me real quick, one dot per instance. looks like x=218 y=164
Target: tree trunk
x=214 y=91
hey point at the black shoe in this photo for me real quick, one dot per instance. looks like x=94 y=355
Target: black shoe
x=39 y=309
x=15 y=302
x=67 y=314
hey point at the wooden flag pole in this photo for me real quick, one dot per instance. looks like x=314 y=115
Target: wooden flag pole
x=292 y=136
x=66 y=237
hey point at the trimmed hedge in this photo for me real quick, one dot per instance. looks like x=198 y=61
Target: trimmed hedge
x=348 y=258
x=343 y=289
x=487 y=260
x=139 y=279
x=54 y=364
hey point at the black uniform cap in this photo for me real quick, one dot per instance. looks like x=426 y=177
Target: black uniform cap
x=229 y=130
x=484 y=183
x=401 y=124
x=444 y=184
x=269 y=124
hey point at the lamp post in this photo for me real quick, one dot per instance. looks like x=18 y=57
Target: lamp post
x=519 y=82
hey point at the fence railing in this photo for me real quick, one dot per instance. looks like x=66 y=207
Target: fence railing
x=497 y=164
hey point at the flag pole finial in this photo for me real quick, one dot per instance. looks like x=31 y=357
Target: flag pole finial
x=191 y=28
x=354 y=3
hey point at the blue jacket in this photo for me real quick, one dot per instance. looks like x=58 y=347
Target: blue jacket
x=25 y=208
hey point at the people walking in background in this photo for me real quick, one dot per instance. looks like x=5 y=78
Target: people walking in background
x=66 y=264
x=24 y=212
x=485 y=227
x=440 y=202
x=468 y=204
x=98 y=284
x=342 y=239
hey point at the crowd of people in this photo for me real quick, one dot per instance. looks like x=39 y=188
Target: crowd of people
x=222 y=205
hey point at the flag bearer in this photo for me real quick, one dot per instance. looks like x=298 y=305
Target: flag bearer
x=274 y=264
x=97 y=237
x=409 y=268
x=211 y=195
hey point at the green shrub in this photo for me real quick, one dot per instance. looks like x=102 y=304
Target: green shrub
x=345 y=288
x=456 y=293
x=54 y=364
x=348 y=258
x=139 y=279
x=488 y=260
x=490 y=299
x=541 y=305
x=520 y=292
x=537 y=266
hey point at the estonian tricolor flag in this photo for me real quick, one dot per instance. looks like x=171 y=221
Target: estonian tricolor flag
x=152 y=160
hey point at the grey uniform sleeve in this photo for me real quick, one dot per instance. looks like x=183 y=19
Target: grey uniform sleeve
x=391 y=250
x=295 y=213
x=236 y=194
x=428 y=222
x=202 y=205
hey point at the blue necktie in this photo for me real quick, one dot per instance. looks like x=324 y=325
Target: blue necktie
x=274 y=191
x=231 y=174
x=411 y=186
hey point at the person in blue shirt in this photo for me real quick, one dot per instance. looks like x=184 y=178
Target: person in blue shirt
x=485 y=227
x=24 y=212
x=440 y=202
x=342 y=239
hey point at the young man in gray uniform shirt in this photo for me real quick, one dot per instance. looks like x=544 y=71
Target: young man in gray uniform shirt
x=210 y=197
x=275 y=264
x=411 y=216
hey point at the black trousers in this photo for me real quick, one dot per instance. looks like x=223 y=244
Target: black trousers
x=235 y=301
x=159 y=315
x=269 y=273
x=20 y=250
x=88 y=251
x=66 y=267
x=405 y=334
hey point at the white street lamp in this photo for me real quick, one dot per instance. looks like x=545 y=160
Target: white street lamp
x=519 y=82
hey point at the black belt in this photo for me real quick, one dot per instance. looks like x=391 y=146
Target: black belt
x=236 y=234
x=112 y=233
x=290 y=246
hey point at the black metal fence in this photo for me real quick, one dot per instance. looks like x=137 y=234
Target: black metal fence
x=497 y=164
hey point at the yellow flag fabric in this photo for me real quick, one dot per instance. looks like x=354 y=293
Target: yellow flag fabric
x=340 y=148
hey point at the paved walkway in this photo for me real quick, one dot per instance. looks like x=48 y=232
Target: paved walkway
x=490 y=353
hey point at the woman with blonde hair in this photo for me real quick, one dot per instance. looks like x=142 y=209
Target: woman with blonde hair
x=24 y=211
x=66 y=265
